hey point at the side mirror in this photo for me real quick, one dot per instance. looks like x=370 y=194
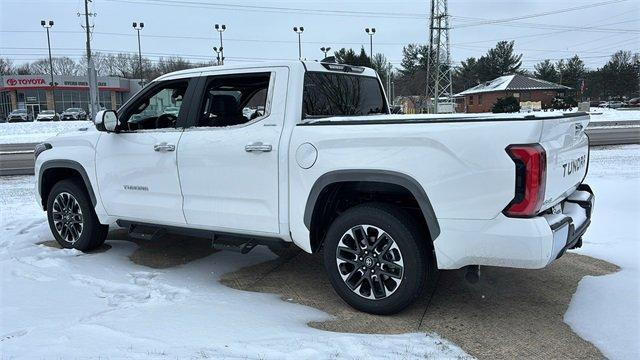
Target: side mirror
x=106 y=120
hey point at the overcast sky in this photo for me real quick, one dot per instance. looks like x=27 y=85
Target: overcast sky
x=263 y=29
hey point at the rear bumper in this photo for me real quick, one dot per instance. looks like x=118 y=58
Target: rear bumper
x=569 y=226
x=530 y=243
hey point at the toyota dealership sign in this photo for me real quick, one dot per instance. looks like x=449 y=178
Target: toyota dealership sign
x=25 y=81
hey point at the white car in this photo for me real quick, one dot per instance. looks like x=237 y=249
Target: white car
x=47 y=115
x=389 y=198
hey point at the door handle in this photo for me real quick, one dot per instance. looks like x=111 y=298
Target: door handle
x=164 y=147
x=257 y=147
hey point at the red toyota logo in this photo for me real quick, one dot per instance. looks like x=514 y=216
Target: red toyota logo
x=12 y=82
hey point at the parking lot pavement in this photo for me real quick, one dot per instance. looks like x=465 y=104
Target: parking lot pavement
x=509 y=313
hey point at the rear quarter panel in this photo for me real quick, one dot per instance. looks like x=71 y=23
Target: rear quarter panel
x=462 y=166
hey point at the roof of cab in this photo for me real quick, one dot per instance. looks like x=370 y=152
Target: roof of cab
x=210 y=70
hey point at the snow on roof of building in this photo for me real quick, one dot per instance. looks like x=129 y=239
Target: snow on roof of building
x=513 y=82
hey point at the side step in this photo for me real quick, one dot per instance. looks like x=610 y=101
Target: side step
x=240 y=245
x=141 y=232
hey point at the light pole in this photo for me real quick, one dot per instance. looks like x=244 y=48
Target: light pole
x=299 y=31
x=220 y=29
x=219 y=54
x=370 y=32
x=325 y=50
x=47 y=24
x=138 y=27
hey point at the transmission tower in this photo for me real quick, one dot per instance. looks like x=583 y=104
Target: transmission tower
x=439 y=85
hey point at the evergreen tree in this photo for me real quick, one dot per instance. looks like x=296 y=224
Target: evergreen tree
x=546 y=70
x=349 y=56
x=466 y=75
x=499 y=61
x=571 y=72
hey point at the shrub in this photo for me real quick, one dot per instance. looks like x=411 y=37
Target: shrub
x=506 y=104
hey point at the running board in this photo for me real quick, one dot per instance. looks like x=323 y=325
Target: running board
x=141 y=232
x=241 y=243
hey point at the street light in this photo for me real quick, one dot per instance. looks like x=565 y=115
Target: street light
x=221 y=29
x=325 y=50
x=299 y=31
x=219 y=52
x=370 y=32
x=47 y=24
x=138 y=27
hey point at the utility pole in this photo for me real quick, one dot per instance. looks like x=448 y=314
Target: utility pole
x=220 y=29
x=439 y=84
x=91 y=69
x=370 y=32
x=139 y=27
x=47 y=24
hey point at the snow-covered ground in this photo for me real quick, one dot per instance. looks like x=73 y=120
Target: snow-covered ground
x=604 y=114
x=606 y=309
x=65 y=304
x=37 y=131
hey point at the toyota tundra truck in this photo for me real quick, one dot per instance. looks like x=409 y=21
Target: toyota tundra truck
x=307 y=153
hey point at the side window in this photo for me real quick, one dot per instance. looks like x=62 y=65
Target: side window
x=158 y=109
x=234 y=99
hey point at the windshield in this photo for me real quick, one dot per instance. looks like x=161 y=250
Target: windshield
x=47 y=112
x=74 y=110
x=19 y=111
x=330 y=94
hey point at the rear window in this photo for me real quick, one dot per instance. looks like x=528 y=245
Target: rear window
x=329 y=94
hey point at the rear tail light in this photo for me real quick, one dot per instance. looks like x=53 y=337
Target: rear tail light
x=531 y=168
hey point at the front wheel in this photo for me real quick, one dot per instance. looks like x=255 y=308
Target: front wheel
x=72 y=219
x=377 y=258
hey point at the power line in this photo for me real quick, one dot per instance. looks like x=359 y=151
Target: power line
x=545 y=13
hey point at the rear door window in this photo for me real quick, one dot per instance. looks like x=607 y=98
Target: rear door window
x=329 y=94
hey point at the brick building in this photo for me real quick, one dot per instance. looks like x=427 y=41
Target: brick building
x=529 y=91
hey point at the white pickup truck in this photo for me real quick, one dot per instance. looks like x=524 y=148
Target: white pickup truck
x=307 y=153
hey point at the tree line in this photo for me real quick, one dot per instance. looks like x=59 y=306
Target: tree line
x=616 y=79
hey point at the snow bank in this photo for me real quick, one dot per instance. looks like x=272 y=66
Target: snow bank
x=65 y=304
x=605 y=310
x=33 y=132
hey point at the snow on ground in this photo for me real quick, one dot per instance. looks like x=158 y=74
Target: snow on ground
x=604 y=114
x=62 y=304
x=37 y=131
x=605 y=310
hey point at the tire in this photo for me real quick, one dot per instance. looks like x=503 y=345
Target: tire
x=76 y=225
x=407 y=257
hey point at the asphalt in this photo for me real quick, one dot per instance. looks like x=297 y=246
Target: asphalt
x=509 y=313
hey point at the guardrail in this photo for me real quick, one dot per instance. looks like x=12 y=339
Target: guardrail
x=17 y=159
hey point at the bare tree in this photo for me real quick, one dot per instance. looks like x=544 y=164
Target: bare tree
x=6 y=66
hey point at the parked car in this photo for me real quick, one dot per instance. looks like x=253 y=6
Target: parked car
x=635 y=102
x=20 y=115
x=615 y=104
x=389 y=198
x=74 y=114
x=47 y=115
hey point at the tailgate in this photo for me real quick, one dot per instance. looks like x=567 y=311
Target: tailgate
x=567 y=147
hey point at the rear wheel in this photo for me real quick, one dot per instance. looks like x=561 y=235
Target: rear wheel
x=377 y=259
x=72 y=219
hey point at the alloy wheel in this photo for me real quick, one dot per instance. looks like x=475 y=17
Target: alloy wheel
x=67 y=217
x=369 y=262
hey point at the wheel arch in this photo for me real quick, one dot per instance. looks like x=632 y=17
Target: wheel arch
x=327 y=187
x=53 y=171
